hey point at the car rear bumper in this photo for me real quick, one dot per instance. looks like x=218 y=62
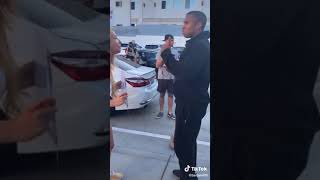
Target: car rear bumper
x=140 y=98
x=143 y=103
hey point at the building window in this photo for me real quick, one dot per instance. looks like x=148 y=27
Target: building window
x=155 y=4
x=118 y=3
x=163 y=5
x=144 y=5
x=133 y=5
x=202 y=3
x=193 y=4
x=133 y=24
x=178 y=4
x=187 y=4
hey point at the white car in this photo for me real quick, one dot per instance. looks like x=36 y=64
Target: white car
x=77 y=41
x=140 y=83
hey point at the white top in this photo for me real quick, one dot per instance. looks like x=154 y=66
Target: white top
x=163 y=72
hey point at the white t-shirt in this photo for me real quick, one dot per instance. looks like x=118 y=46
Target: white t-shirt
x=163 y=72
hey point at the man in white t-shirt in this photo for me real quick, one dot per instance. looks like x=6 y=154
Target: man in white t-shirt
x=165 y=81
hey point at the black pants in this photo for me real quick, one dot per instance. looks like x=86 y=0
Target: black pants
x=261 y=154
x=188 y=123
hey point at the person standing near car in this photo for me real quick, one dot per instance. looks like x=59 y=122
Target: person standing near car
x=131 y=52
x=192 y=78
x=165 y=81
x=115 y=100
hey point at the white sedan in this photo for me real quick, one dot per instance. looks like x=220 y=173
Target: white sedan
x=76 y=37
x=140 y=83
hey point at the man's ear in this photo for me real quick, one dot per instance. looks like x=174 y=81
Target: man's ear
x=199 y=26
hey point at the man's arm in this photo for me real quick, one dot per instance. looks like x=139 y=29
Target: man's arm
x=190 y=66
x=159 y=62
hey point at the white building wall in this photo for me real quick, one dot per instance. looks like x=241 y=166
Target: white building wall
x=120 y=15
x=156 y=15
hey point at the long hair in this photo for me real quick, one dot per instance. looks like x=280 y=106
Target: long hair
x=112 y=56
x=113 y=88
x=7 y=64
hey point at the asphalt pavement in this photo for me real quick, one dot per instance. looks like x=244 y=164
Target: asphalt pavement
x=142 y=149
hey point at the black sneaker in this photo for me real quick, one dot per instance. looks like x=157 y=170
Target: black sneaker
x=177 y=173
x=171 y=116
x=160 y=115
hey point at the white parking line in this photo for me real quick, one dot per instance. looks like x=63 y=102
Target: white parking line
x=160 y=136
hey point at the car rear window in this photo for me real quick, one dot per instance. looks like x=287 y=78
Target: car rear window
x=128 y=61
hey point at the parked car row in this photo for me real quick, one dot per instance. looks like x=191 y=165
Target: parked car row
x=148 y=53
x=140 y=83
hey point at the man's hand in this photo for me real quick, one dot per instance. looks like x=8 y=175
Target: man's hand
x=165 y=46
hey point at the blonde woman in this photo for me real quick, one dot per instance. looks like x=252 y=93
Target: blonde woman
x=115 y=48
x=16 y=125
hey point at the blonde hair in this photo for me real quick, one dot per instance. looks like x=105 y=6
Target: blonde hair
x=113 y=88
x=7 y=64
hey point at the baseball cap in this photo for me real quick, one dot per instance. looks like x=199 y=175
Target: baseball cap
x=167 y=36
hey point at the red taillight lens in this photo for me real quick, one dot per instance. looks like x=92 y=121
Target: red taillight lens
x=138 y=82
x=83 y=65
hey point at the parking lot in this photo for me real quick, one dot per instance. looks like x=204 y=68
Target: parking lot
x=142 y=144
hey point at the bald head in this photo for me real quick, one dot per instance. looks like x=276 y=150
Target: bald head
x=194 y=23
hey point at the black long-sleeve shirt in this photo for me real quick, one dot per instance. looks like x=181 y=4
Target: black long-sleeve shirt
x=192 y=71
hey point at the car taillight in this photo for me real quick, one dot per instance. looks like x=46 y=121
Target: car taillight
x=138 y=82
x=83 y=65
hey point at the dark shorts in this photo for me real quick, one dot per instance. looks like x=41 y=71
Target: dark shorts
x=165 y=85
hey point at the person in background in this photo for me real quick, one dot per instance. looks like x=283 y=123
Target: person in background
x=115 y=100
x=16 y=124
x=192 y=78
x=131 y=52
x=165 y=81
